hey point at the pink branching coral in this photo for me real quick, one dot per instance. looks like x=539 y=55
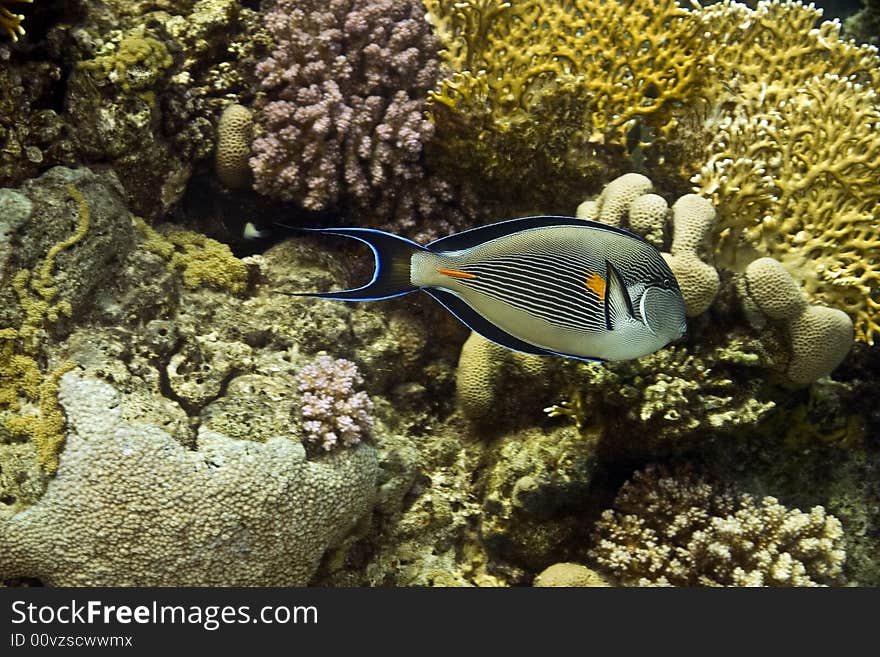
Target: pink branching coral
x=344 y=109
x=678 y=529
x=333 y=413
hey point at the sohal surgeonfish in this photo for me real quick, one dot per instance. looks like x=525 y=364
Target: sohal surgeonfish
x=539 y=285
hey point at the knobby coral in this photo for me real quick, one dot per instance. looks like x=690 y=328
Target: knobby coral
x=679 y=529
x=202 y=261
x=343 y=115
x=333 y=413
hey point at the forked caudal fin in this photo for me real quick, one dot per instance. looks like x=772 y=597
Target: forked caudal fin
x=391 y=277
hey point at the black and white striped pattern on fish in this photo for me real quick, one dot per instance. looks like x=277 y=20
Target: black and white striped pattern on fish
x=540 y=285
x=548 y=287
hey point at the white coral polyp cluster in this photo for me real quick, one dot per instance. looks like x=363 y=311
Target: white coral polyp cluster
x=676 y=529
x=334 y=414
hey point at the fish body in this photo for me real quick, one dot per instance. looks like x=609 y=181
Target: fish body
x=540 y=285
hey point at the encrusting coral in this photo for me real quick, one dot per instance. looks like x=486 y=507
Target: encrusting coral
x=28 y=387
x=201 y=260
x=130 y=506
x=676 y=528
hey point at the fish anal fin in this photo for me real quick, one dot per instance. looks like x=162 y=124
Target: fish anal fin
x=479 y=324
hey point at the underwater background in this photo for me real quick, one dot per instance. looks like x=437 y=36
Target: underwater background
x=171 y=415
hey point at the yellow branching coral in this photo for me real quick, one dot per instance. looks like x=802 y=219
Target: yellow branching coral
x=9 y=22
x=794 y=152
x=536 y=84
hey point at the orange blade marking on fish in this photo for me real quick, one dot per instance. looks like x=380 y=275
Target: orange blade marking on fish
x=596 y=284
x=454 y=273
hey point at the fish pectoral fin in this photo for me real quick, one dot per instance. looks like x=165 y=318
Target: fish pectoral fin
x=618 y=305
x=644 y=311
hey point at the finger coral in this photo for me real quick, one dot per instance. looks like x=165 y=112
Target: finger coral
x=10 y=22
x=344 y=114
x=678 y=529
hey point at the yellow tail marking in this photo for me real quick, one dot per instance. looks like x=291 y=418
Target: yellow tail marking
x=454 y=273
x=596 y=284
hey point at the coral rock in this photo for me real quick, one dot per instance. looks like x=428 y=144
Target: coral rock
x=234 y=133
x=773 y=290
x=568 y=575
x=820 y=339
x=131 y=507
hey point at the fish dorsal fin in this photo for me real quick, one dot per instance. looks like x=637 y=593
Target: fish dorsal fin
x=468 y=238
x=618 y=305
